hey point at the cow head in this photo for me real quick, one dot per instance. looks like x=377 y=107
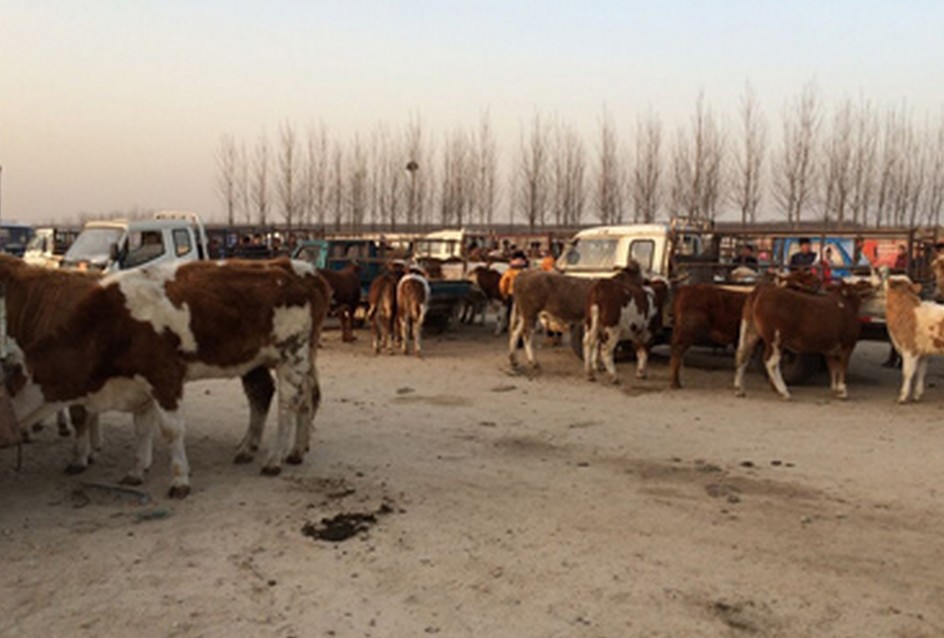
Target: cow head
x=630 y=274
x=902 y=284
x=803 y=279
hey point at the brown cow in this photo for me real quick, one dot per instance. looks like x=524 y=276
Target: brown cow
x=784 y=318
x=703 y=313
x=382 y=309
x=916 y=329
x=135 y=338
x=710 y=314
x=619 y=309
x=346 y=286
x=412 y=304
x=559 y=299
x=485 y=294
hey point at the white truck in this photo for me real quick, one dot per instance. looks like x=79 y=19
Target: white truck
x=121 y=244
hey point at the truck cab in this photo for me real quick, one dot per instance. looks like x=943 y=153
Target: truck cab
x=120 y=244
x=658 y=248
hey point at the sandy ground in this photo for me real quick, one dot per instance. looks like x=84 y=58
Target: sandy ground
x=509 y=507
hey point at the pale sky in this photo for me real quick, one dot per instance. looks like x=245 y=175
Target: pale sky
x=109 y=106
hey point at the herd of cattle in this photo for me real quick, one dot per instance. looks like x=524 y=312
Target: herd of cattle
x=130 y=341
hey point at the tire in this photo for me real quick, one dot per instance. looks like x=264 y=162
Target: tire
x=799 y=369
x=576 y=339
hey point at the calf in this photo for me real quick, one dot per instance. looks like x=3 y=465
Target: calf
x=916 y=329
x=346 y=286
x=784 y=318
x=133 y=340
x=560 y=299
x=487 y=294
x=621 y=309
x=382 y=309
x=412 y=304
x=703 y=313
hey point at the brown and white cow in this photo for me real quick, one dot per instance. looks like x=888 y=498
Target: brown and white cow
x=703 y=313
x=624 y=308
x=555 y=298
x=413 y=295
x=804 y=323
x=136 y=337
x=382 y=308
x=346 y=286
x=916 y=329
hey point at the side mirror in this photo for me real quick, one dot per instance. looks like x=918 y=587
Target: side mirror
x=113 y=253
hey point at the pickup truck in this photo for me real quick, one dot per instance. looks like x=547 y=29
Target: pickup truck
x=120 y=244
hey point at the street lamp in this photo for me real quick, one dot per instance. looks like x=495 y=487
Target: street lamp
x=411 y=168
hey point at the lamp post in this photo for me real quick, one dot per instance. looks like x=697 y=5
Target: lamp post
x=411 y=168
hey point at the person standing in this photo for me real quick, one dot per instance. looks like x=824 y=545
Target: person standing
x=805 y=258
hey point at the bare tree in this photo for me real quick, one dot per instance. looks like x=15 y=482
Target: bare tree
x=485 y=192
x=837 y=165
x=456 y=179
x=227 y=182
x=749 y=159
x=245 y=185
x=314 y=188
x=609 y=183
x=864 y=154
x=531 y=176
x=288 y=174
x=647 y=169
x=358 y=187
x=935 y=187
x=698 y=165
x=389 y=177
x=795 y=174
x=418 y=170
x=260 y=180
x=569 y=165
x=336 y=199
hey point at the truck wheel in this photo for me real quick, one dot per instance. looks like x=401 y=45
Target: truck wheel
x=576 y=340
x=799 y=369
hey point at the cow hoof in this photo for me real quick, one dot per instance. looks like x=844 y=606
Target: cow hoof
x=295 y=458
x=127 y=479
x=785 y=397
x=74 y=468
x=738 y=392
x=675 y=385
x=271 y=470
x=242 y=458
x=902 y=401
x=179 y=491
x=591 y=378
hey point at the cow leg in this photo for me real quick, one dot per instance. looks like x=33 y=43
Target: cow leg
x=909 y=364
x=611 y=335
x=404 y=327
x=172 y=428
x=293 y=378
x=305 y=419
x=679 y=348
x=85 y=425
x=746 y=345
x=145 y=421
x=515 y=330
x=772 y=363
x=528 y=338
x=63 y=422
x=591 y=343
x=418 y=334
x=375 y=332
x=919 y=381
x=392 y=336
x=841 y=391
x=642 y=361
x=259 y=388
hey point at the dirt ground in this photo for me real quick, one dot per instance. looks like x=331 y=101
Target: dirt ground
x=503 y=506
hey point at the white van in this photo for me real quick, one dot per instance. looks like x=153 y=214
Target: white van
x=121 y=244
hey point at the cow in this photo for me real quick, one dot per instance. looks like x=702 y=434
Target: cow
x=382 y=307
x=916 y=329
x=558 y=299
x=485 y=294
x=703 y=313
x=788 y=319
x=413 y=295
x=346 y=286
x=619 y=309
x=133 y=340
x=711 y=314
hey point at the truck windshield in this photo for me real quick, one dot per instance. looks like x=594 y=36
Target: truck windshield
x=93 y=245
x=590 y=254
